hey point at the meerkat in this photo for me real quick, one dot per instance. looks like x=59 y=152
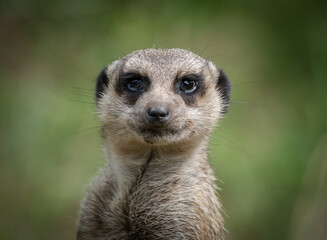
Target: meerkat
x=158 y=108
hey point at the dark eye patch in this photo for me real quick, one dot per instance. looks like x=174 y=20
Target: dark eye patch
x=190 y=87
x=224 y=87
x=131 y=86
x=101 y=84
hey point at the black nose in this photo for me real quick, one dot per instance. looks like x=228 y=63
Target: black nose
x=157 y=115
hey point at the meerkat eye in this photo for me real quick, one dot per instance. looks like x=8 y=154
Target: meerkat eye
x=188 y=85
x=135 y=85
x=133 y=82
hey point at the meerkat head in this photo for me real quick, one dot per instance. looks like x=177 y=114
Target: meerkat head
x=161 y=96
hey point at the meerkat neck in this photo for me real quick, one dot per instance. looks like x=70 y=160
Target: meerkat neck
x=129 y=161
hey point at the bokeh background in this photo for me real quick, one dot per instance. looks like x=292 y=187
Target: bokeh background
x=269 y=152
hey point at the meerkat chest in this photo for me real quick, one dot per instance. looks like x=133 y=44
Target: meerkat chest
x=160 y=206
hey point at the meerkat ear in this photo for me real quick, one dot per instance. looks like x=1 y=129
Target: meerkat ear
x=102 y=83
x=223 y=86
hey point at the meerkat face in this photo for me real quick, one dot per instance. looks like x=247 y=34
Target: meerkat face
x=161 y=96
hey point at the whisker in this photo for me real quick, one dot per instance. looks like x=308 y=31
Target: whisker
x=248 y=104
x=237 y=84
x=76 y=100
x=82 y=95
x=79 y=89
x=225 y=141
x=234 y=145
x=204 y=49
x=212 y=56
x=222 y=130
x=84 y=130
x=262 y=106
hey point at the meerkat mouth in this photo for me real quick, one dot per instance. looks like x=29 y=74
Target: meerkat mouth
x=159 y=134
x=160 y=131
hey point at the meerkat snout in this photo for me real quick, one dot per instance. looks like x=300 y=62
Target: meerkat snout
x=158 y=115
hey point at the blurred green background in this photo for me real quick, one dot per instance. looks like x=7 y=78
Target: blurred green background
x=269 y=152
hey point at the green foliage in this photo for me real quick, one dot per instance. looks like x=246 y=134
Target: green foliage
x=269 y=151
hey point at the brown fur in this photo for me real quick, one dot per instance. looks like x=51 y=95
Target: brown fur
x=156 y=185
